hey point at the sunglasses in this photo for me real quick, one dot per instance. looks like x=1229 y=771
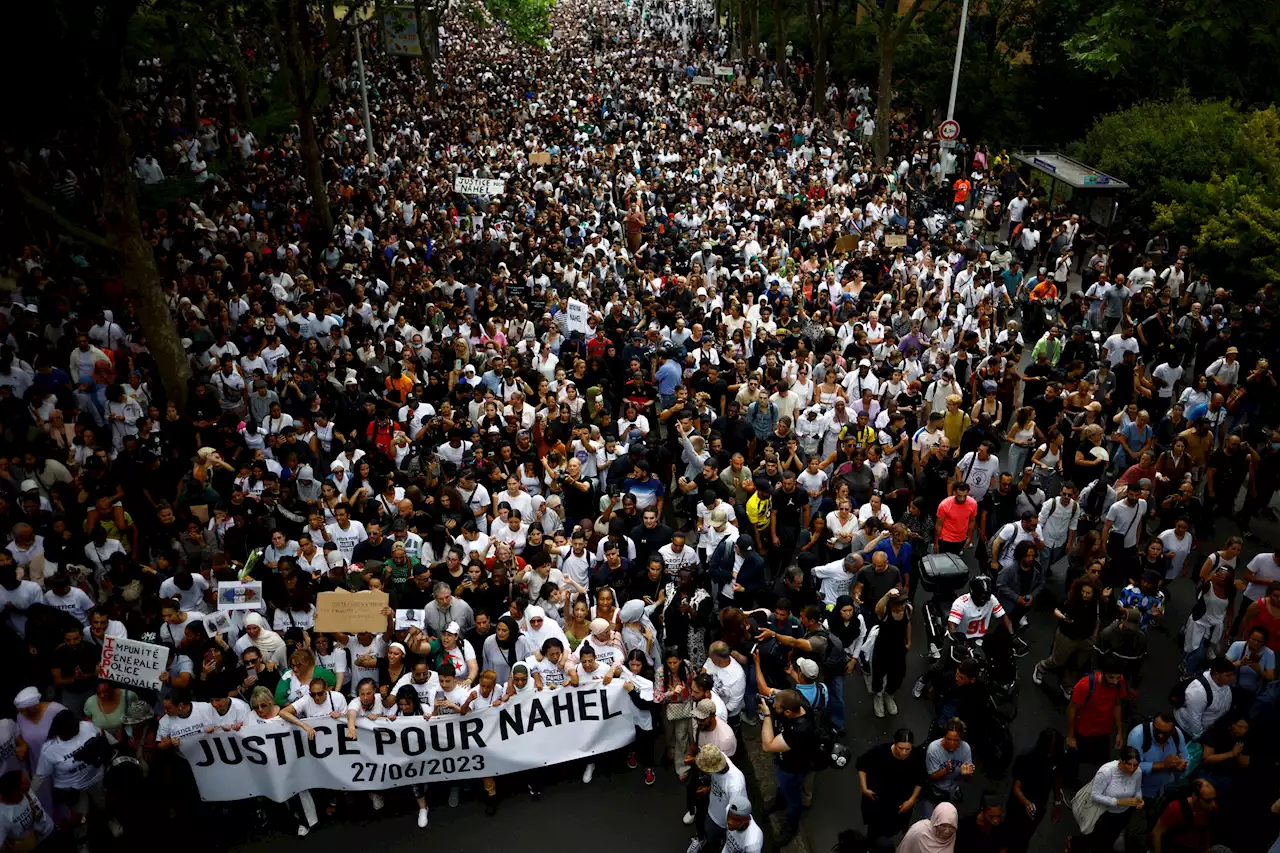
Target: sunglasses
x=319 y=695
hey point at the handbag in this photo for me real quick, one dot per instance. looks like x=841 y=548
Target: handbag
x=1086 y=811
x=679 y=710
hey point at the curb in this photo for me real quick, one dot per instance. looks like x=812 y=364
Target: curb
x=758 y=768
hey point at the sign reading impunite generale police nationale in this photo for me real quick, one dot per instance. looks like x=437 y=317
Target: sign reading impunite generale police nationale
x=277 y=760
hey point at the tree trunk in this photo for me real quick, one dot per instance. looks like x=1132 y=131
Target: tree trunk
x=755 y=27
x=779 y=39
x=817 y=38
x=239 y=73
x=137 y=260
x=429 y=41
x=315 y=171
x=884 y=96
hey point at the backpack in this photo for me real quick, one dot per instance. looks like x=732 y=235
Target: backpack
x=1178 y=694
x=834 y=662
x=1148 y=735
x=830 y=752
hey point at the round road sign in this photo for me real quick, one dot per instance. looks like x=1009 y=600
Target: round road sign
x=949 y=130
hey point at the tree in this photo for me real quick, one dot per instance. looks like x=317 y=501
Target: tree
x=891 y=29
x=1207 y=172
x=83 y=93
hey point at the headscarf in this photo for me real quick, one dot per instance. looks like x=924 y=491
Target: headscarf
x=633 y=612
x=548 y=630
x=508 y=649
x=268 y=642
x=529 y=686
x=922 y=836
x=28 y=697
x=846 y=632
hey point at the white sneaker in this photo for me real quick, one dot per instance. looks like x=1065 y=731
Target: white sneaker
x=889 y=705
x=422 y=818
x=453 y=797
x=588 y=774
x=303 y=830
x=877 y=704
x=689 y=818
x=376 y=801
x=695 y=845
x=1037 y=675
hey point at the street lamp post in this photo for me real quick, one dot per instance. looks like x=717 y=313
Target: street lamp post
x=949 y=164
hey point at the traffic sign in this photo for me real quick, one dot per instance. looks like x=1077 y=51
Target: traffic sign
x=949 y=130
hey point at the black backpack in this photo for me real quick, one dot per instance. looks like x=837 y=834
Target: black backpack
x=1148 y=733
x=1178 y=694
x=834 y=663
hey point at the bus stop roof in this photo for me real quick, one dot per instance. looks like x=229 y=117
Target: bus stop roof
x=1071 y=172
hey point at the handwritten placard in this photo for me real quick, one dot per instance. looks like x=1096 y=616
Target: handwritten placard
x=895 y=241
x=479 y=186
x=351 y=612
x=577 y=316
x=132 y=662
x=540 y=158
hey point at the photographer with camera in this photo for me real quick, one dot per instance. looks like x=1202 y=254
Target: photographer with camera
x=789 y=733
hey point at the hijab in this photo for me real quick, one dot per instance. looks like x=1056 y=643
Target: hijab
x=846 y=632
x=922 y=837
x=634 y=621
x=508 y=648
x=548 y=630
x=529 y=686
x=268 y=642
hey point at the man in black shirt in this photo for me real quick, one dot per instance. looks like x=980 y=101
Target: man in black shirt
x=733 y=429
x=997 y=508
x=936 y=471
x=1227 y=469
x=794 y=746
x=1036 y=376
x=1048 y=406
x=711 y=383
x=649 y=536
x=790 y=503
x=983 y=831
x=891 y=776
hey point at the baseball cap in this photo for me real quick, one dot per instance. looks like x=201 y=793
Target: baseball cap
x=453 y=628
x=740 y=806
x=703 y=709
x=808 y=667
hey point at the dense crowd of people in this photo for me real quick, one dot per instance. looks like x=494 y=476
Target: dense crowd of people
x=695 y=402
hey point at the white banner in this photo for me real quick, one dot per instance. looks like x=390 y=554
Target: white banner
x=479 y=186
x=276 y=760
x=132 y=662
x=577 y=312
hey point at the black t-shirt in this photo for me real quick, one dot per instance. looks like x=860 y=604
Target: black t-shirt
x=801 y=736
x=935 y=474
x=892 y=779
x=788 y=506
x=1229 y=468
x=1036 y=772
x=717 y=390
x=1036 y=377
x=1001 y=508
x=875 y=585
x=970 y=838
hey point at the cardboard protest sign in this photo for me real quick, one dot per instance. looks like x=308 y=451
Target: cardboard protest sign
x=132 y=662
x=351 y=612
x=895 y=241
x=847 y=243
x=540 y=158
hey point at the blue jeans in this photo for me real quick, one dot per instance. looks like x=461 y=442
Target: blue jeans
x=835 y=701
x=1018 y=460
x=791 y=789
x=1052 y=554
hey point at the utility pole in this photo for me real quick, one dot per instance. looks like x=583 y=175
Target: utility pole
x=364 y=94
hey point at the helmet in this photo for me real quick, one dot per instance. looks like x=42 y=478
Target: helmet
x=980 y=590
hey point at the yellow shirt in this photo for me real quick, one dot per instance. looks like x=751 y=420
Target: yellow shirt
x=954 y=424
x=759 y=511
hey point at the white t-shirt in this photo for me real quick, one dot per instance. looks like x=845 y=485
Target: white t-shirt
x=180 y=727
x=551 y=675
x=377 y=648
x=457 y=696
x=8 y=747
x=332 y=703
x=977 y=473
x=576 y=567
x=237 y=712
x=749 y=839
x=348 y=539
x=26 y=594
x=188 y=599
x=1180 y=550
x=1263 y=566
x=426 y=691
x=75 y=602
x=724 y=787
x=835 y=581
x=18 y=819
x=59 y=760
x=460 y=657
x=731 y=683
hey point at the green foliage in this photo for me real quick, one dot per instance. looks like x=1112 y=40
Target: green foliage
x=527 y=21
x=1207 y=172
x=1209 y=48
